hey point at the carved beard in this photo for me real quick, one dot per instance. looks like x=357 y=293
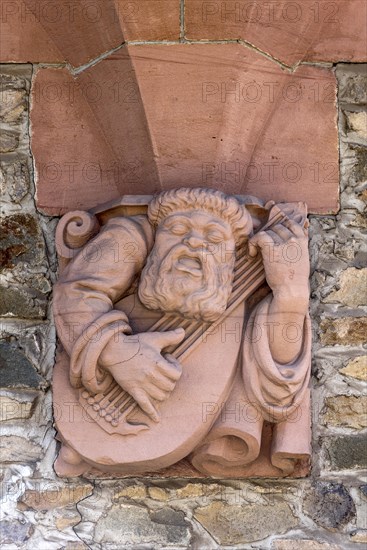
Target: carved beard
x=187 y=283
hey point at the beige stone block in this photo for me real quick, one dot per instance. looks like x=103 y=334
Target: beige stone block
x=350 y=412
x=363 y=195
x=55 y=497
x=156 y=493
x=13 y=409
x=191 y=490
x=67 y=520
x=233 y=524
x=303 y=544
x=352 y=290
x=12 y=104
x=359 y=536
x=358 y=123
x=357 y=368
x=137 y=492
x=345 y=331
x=360 y=220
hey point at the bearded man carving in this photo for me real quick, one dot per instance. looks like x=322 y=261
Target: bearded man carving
x=179 y=260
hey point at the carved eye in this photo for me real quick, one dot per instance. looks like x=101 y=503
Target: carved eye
x=178 y=228
x=215 y=237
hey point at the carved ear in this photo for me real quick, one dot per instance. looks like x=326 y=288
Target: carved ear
x=74 y=230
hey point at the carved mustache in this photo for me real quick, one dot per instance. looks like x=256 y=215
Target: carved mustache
x=188 y=258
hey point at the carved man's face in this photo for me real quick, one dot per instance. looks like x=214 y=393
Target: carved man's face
x=190 y=269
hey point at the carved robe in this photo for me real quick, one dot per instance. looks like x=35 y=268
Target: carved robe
x=268 y=402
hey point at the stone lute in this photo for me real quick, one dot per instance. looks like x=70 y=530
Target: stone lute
x=112 y=409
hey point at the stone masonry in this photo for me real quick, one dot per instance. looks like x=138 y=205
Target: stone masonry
x=326 y=511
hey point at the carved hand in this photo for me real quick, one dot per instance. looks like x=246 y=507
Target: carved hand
x=138 y=366
x=284 y=249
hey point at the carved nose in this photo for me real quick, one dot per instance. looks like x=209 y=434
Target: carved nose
x=195 y=242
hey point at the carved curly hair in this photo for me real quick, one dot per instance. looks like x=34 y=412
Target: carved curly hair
x=226 y=207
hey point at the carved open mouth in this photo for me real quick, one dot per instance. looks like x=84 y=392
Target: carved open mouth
x=190 y=264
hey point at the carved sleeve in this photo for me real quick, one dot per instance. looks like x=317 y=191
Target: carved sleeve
x=276 y=389
x=84 y=297
x=270 y=392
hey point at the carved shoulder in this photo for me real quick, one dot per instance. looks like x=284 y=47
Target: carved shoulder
x=137 y=226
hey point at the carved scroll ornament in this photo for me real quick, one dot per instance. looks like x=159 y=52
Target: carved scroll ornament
x=184 y=337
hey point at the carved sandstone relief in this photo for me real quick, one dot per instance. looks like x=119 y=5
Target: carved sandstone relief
x=184 y=337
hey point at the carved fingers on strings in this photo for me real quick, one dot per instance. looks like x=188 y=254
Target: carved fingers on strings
x=287 y=232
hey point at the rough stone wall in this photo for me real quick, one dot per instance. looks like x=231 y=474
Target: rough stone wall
x=326 y=511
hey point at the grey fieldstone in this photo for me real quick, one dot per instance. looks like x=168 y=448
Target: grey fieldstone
x=167 y=516
x=16 y=371
x=360 y=259
x=15 y=76
x=14 y=179
x=25 y=303
x=347 y=452
x=330 y=505
x=9 y=141
x=127 y=524
x=22 y=260
x=19 y=449
x=14 y=532
x=352 y=84
x=20 y=240
x=360 y=168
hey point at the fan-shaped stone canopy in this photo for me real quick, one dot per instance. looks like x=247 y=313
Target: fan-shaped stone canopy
x=152 y=117
x=145 y=98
